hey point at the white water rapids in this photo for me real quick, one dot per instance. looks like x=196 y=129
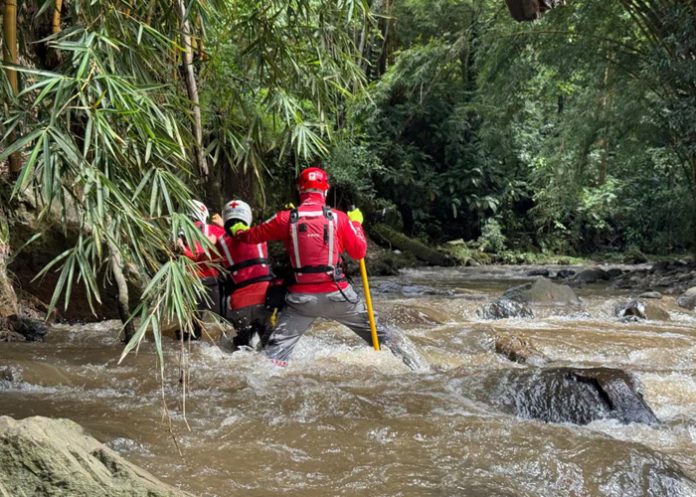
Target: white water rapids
x=343 y=420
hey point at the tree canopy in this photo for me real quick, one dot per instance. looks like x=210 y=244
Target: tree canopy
x=574 y=133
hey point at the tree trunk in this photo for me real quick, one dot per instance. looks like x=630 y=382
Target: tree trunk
x=9 y=25
x=123 y=297
x=394 y=239
x=8 y=299
x=192 y=89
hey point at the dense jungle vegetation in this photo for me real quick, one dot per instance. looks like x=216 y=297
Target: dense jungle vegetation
x=574 y=133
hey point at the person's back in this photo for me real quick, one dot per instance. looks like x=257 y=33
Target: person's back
x=315 y=237
x=321 y=235
x=206 y=270
x=248 y=277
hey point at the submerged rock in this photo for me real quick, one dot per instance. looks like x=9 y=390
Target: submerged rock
x=539 y=272
x=42 y=456
x=519 y=349
x=505 y=308
x=650 y=295
x=572 y=395
x=412 y=315
x=542 y=291
x=592 y=275
x=411 y=290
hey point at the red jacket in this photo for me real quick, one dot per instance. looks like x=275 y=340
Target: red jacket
x=198 y=254
x=349 y=237
x=236 y=257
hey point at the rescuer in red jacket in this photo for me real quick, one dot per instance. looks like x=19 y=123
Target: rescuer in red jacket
x=248 y=277
x=314 y=236
x=207 y=272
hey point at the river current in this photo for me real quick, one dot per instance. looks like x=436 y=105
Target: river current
x=344 y=420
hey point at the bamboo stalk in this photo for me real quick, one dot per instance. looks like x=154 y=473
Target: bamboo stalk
x=10 y=58
x=55 y=21
x=192 y=89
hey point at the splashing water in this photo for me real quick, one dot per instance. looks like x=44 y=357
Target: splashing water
x=342 y=419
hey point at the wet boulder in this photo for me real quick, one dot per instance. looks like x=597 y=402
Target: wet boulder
x=687 y=299
x=11 y=336
x=33 y=330
x=542 y=291
x=505 y=308
x=633 y=310
x=571 y=395
x=519 y=349
x=42 y=456
x=539 y=272
x=614 y=272
x=650 y=295
x=592 y=275
x=565 y=274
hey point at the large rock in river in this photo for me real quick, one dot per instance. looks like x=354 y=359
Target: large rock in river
x=688 y=299
x=542 y=291
x=504 y=308
x=570 y=395
x=55 y=457
x=640 y=310
x=591 y=275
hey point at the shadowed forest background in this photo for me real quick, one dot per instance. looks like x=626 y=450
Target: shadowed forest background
x=445 y=119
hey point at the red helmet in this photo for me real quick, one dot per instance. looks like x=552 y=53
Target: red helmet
x=313 y=178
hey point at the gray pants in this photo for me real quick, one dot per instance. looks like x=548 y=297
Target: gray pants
x=303 y=308
x=246 y=322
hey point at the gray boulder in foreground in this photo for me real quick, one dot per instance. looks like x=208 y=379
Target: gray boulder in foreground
x=55 y=457
x=542 y=291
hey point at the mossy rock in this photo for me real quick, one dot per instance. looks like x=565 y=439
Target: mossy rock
x=42 y=456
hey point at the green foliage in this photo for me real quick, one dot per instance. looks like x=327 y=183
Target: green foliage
x=573 y=131
x=104 y=121
x=351 y=167
x=492 y=238
x=279 y=74
x=106 y=147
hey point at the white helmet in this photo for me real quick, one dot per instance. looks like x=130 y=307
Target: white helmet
x=237 y=209
x=198 y=211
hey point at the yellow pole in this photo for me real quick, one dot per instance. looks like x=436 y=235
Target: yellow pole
x=368 y=300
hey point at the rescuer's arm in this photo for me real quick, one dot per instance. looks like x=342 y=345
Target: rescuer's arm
x=274 y=229
x=352 y=234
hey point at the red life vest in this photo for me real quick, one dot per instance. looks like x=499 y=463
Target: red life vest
x=313 y=252
x=247 y=263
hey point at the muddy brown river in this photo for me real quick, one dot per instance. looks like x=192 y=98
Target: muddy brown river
x=344 y=420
